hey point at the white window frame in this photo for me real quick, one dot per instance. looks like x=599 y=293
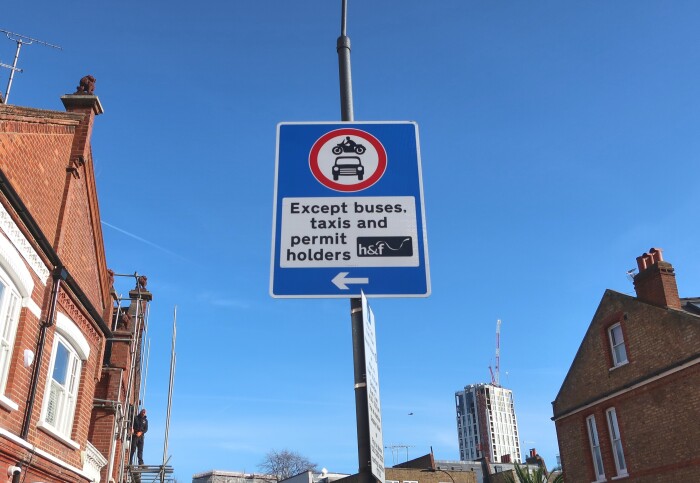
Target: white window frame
x=78 y=349
x=615 y=344
x=19 y=284
x=10 y=304
x=616 y=442
x=594 y=443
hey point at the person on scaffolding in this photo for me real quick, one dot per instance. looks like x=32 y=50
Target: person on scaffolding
x=138 y=430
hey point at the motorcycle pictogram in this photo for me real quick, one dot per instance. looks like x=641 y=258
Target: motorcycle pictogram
x=348 y=146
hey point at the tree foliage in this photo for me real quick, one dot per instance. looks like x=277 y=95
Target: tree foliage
x=284 y=464
x=537 y=476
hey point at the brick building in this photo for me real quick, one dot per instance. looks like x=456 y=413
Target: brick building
x=56 y=298
x=220 y=476
x=629 y=407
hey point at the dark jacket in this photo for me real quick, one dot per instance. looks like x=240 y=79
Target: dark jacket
x=140 y=424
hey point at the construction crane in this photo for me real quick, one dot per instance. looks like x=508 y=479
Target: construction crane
x=496 y=375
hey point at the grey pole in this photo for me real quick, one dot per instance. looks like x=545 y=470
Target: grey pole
x=364 y=455
x=13 y=69
x=343 y=49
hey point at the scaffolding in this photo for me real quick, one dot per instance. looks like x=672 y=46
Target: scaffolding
x=134 y=393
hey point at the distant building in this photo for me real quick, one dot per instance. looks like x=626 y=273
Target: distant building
x=629 y=407
x=426 y=469
x=421 y=470
x=310 y=477
x=486 y=424
x=219 y=476
x=484 y=471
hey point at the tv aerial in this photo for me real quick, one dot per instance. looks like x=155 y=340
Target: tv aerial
x=20 y=40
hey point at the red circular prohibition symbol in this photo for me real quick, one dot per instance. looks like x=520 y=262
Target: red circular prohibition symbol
x=329 y=183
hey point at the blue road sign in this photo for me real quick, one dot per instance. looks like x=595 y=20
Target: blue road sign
x=348 y=211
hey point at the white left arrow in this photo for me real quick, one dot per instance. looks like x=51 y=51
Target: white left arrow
x=341 y=280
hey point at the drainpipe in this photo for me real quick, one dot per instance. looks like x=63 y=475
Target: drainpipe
x=118 y=410
x=59 y=273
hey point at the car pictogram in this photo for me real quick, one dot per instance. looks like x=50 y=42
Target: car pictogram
x=348 y=166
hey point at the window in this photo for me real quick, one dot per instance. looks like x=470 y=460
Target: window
x=9 y=316
x=70 y=348
x=616 y=441
x=62 y=387
x=617 y=344
x=16 y=285
x=595 y=448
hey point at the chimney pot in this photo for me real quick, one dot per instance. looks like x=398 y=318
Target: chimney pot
x=656 y=254
x=641 y=263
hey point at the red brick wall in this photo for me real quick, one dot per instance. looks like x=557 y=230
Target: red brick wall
x=660 y=430
x=35 y=148
x=29 y=334
x=35 y=151
x=77 y=244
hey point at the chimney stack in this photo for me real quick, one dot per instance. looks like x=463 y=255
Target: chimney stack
x=85 y=102
x=656 y=281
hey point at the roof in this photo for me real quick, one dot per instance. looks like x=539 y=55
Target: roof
x=658 y=340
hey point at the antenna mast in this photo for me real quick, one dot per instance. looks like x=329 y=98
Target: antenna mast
x=20 y=40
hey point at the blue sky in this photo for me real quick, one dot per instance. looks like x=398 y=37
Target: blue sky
x=558 y=139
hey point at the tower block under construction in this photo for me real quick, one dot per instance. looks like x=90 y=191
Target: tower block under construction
x=486 y=424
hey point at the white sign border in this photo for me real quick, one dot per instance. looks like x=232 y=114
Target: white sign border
x=426 y=258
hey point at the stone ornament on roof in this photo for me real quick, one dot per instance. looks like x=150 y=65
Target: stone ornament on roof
x=87 y=86
x=141 y=282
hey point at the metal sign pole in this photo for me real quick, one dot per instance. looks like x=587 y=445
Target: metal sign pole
x=358 y=344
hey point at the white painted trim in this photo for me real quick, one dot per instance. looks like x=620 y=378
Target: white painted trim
x=8 y=403
x=49 y=430
x=621 y=364
x=631 y=388
x=15 y=268
x=22 y=245
x=25 y=444
x=67 y=328
x=32 y=306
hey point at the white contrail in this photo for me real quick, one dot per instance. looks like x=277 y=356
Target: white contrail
x=143 y=240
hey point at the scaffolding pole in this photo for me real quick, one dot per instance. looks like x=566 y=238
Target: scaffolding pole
x=173 y=357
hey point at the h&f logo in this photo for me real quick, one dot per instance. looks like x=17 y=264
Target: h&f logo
x=384 y=246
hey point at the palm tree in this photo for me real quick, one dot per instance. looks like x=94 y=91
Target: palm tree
x=537 y=476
